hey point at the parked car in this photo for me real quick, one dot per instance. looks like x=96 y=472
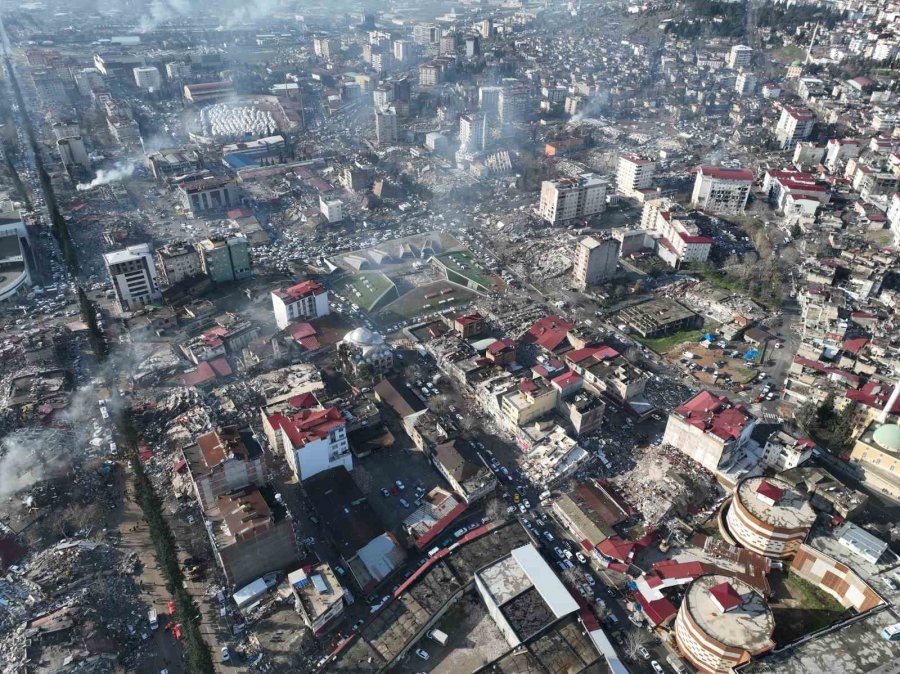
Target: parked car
x=400 y=485
x=385 y=492
x=657 y=667
x=404 y=503
x=422 y=653
x=226 y=656
x=644 y=652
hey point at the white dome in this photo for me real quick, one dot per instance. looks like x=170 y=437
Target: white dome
x=363 y=337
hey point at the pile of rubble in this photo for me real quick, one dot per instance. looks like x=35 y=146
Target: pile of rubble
x=664 y=482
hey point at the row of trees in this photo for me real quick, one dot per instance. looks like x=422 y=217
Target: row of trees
x=196 y=651
x=58 y=223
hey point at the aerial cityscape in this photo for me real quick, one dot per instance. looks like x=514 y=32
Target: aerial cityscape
x=450 y=337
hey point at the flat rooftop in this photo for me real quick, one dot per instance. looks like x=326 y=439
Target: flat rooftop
x=851 y=648
x=791 y=510
x=748 y=626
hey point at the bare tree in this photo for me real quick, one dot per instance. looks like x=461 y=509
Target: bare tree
x=633 y=640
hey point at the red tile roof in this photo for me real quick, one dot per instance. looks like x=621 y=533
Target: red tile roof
x=308 y=425
x=715 y=415
x=727 y=174
x=726 y=596
x=617 y=548
x=770 y=491
x=204 y=373
x=304 y=289
x=471 y=318
x=657 y=611
x=874 y=394
x=597 y=352
x=566 y=380
x=548 y=333
x=501 y=345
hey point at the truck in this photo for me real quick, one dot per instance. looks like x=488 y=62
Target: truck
x=438 y=636
x=153 y=619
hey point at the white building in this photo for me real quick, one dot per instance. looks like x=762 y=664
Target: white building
x=16 y=258
x=304 y=300
x=839 y=150
x=386 y=127
x=794 y=125
x=634 y=174
x=313 y=440
x=366 y=348
x=572 y=197
x=148 y=78
x=893 y=216
x=471 y=132
x=740 y=56
x=745 y=83
x=332 y=209
x=710 y=430
x=133 y=276
x=722 y=190
x=595 y=261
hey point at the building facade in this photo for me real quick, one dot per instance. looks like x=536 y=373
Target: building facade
x=720 y=190
x=572 y=197
x=634 y=174
x=225 y=259
x=595 y=261
x=133 y=276
x=769 y=517
x=303 y=300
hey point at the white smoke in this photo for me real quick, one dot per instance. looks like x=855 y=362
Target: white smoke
x=236 y=13
x=29 y=456
x=119 y=171
x=161 y=11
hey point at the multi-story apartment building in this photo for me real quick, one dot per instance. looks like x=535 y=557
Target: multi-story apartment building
x=740 y=56
x=635 y=173
x=177 y=262
x=795 y=124
x=722 y=190
x=133 y=276
x=252 y=534
x=225 y=259
x=303 y=300
x=471 y=132
x=312 y=440
x=213 y=193
x=572 y=197
x=709 y=429
x=595 y=261
x=386 y=126
x=221 y=462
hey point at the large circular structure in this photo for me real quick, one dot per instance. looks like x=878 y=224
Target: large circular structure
x=722 y=622
x=769 y=517
x=887 y=436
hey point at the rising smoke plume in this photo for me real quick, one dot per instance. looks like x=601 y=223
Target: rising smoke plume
x=30 y=455
x=235 y=12
x=119 y=171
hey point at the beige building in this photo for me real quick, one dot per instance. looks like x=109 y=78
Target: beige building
x=722 y=622
x=721 y=190
x=709 y=429
x=634 y=173
x=769 y=517
x=595 y=261
x=877 y=456
x=572 y=197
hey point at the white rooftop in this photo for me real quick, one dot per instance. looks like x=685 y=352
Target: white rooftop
x=545 y=581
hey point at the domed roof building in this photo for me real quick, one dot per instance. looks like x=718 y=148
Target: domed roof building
x=363 y=347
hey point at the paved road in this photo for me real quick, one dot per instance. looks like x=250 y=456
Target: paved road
x=165 y=652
